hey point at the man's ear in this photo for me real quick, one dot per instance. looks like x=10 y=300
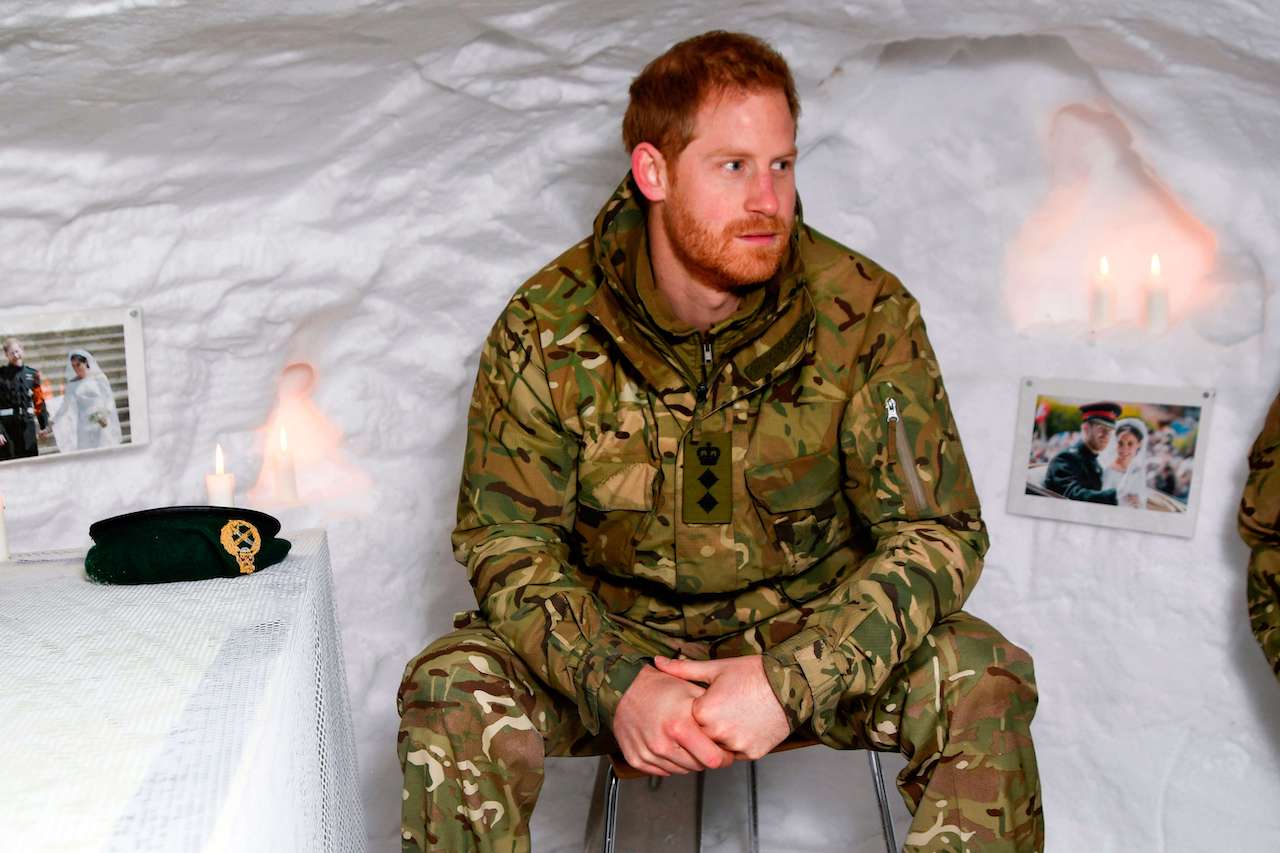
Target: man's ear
x=649 y=168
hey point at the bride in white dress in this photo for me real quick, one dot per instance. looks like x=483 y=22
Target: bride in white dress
x=1124 y=463
x=88 y=417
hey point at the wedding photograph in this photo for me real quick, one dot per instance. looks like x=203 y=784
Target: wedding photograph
x=71 y=383
x=1110 y=454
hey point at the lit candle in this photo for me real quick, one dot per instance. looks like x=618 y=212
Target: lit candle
x=4 y=535
x=286 y=477
x=220 y=485
x=1157 y=300
x=1100 y=297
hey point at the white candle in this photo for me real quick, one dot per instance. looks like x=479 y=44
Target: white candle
x=4 y=534
x=286 y=477
x=1157 y=300
x=220 y=486
x=1100 y=297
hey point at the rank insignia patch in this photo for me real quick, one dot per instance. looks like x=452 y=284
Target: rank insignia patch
x=708 y=479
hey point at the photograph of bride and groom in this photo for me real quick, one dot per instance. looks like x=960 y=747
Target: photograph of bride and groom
x=65 y=384
x=1110 y=454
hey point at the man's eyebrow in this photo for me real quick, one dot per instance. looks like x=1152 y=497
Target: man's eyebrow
x=746 y=155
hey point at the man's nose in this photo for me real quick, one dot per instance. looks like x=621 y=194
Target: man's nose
x=764 y=196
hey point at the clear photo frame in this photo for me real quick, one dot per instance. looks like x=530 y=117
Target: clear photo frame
x=1149 y=460
x=77 y=386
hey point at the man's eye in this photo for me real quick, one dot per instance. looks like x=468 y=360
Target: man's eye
x=783 y=165
x=733 y=166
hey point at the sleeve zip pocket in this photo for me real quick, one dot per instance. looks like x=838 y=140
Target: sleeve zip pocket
x=898 y=450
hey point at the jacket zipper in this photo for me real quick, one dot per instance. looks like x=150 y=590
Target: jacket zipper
x=701 y=391
x=903 y=455
x=706 y=366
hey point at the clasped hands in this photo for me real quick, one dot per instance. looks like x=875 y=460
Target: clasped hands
x=667 y=722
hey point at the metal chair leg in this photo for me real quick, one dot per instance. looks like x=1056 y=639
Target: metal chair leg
x=702 y=778
x=877 y=782
x=753 y=814
x=610 y=811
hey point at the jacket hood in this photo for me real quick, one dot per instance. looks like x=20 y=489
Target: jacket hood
x=620 y=240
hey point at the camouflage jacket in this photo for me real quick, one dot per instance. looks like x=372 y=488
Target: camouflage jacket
x=842 y=481
x=1260 y=528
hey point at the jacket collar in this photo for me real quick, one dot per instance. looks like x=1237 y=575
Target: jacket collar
x=772 y=340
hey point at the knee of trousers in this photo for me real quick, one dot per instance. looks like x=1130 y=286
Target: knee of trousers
x=465 y=674
x=988 y=675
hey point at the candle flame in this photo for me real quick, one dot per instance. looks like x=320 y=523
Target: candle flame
x=1155 y=266
x=1104 y=266
x=217 y=459
x=299 y=442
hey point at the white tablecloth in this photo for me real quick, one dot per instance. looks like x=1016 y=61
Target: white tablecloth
x=203 y=716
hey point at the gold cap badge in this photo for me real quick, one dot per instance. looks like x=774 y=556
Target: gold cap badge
x=241 y=540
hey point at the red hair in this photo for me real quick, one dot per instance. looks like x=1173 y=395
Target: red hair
x=666 y=95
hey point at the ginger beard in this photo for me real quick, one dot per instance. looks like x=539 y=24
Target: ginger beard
x=719 y=260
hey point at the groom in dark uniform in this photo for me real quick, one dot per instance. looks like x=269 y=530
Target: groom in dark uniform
x=1075 y=473
x=23 y=414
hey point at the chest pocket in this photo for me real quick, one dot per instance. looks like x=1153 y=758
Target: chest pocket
x=616 y=501
x=801 y=508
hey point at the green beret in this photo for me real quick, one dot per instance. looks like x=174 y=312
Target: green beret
x=183 y=543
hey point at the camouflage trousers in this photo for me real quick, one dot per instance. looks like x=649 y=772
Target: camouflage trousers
x=476 y=725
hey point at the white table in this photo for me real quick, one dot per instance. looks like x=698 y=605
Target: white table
x=197 y=716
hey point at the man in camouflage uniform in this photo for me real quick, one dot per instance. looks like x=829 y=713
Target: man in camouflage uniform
x=713 y=494
x=23 y=414
x=1260 y=528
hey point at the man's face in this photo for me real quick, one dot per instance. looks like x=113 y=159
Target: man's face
x=13 y=352
x=732 y=195
x=1097 y=435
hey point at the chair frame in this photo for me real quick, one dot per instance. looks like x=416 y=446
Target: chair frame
x=619 y=769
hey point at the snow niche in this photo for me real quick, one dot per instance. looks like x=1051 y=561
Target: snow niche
x=1104 y=202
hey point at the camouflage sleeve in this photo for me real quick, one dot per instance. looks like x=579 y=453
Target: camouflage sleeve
x=516 y=506
x=1259 y=522
x=907 y=478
